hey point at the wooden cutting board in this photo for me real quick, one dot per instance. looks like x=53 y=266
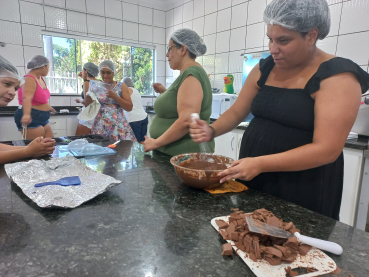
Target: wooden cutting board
x=314 y=258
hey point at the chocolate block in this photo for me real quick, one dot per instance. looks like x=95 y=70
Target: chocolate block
x=227 y=249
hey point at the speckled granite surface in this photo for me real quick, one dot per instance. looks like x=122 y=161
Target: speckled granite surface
x=150 y=225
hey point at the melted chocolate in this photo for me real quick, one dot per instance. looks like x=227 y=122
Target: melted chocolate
x=202 y=165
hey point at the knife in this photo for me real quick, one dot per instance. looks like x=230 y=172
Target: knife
x=265 y=229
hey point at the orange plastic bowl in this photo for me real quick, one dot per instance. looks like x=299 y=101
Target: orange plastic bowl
x=199 y=178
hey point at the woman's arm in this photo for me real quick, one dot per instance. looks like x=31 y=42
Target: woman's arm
x=336 y=107
x=125 y=101
x=4 y=147
x=200 y=130
x=86 y=86
x=37 y=148
x=28 y=91
x=189 y=99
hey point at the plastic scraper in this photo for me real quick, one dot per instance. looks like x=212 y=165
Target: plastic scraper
x=265 y=229
x=66 y=181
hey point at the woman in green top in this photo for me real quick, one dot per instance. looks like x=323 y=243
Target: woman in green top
x=190 y=93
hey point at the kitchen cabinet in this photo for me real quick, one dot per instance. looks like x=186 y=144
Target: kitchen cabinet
x=61 y=125
x=8 y=129
x=353 y=168
x=229 y=144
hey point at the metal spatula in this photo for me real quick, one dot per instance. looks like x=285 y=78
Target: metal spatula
x=204 y=148
x=265 y=229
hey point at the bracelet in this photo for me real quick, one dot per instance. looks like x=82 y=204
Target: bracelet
x=212 y=133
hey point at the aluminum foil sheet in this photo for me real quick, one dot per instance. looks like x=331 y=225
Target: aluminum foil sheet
x=27 y=174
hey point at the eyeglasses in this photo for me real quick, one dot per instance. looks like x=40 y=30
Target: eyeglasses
x=105 y=72
x=170 y=46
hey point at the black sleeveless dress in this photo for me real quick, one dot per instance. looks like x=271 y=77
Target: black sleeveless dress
x=284 y=120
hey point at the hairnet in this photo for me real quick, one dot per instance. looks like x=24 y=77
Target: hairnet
x=91 y=68
x=7 y=69
x=37 y=62
x=191 y=39
x=128 y=81
x=300 y=15
x=107 y=64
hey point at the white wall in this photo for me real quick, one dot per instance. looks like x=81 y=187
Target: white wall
x=229 y=28
x=22 y=23
x=232 y=27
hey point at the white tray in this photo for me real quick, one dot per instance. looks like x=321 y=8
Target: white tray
x=314 y=258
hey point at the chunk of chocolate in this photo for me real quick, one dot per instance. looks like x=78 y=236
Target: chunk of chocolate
x=231 y=228
x=290 y=272
x=258 y=246
x=223 y=234
x=240 y=246
x=221 y=224
x=304 y=249
x=253 y=257
x=234 y=236
x=274 y=251
x=272 y=260
x=292 y=243
x=274 y=221
x=227 y=249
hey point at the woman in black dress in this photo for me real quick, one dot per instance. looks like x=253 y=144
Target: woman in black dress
x=305 y=102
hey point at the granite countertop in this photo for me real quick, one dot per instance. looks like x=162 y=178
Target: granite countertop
x=10 y=110
x=149 y=225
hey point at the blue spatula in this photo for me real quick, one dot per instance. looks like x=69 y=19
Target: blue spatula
x=66 y=181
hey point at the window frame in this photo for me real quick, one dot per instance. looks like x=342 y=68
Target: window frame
x=105 y=40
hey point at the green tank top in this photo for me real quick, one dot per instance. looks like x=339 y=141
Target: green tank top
x=165 y=107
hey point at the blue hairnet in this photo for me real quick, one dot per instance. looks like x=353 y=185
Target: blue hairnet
x=37 y=62
x=91 y=68
x=107 y=64
x=8 y=70
x=128 y=81
x=191 y=39
x=300 y=15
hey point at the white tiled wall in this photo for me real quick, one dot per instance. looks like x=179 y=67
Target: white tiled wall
x=229 y=28
x=233 y=27
x=134 y=21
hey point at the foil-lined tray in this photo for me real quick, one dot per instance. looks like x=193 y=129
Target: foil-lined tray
x=27 y=174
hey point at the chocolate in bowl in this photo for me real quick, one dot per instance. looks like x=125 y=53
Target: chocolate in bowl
x=197 y=172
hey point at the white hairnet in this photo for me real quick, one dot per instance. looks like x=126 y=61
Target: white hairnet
x=128 y=81
x=191 y=39
x=37 y=62
x=91 y=68
x=107 y=64
x=300 y=15
x=8 y=70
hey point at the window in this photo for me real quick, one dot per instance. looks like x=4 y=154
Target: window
x=67 y=57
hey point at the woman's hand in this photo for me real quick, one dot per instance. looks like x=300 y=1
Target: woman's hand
x=245 y=169
x=200 y=131
x=150 y=144
x=26 y=119
x=159 y=88
x=40 y=147
x=77 y=100
x=111 y=94
x=52 y=110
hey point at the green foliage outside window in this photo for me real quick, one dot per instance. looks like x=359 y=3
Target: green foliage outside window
x=134 y=62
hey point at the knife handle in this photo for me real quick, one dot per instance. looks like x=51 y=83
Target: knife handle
x=321 y=244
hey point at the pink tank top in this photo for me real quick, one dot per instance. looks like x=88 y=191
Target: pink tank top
x=40 y=97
